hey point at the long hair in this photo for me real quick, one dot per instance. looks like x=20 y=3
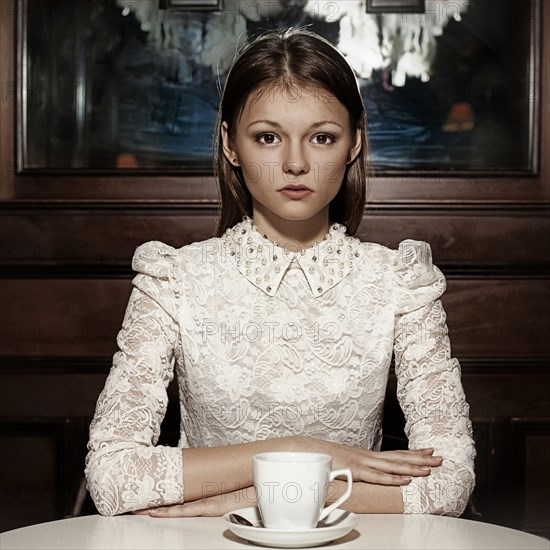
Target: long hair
x=289 y=57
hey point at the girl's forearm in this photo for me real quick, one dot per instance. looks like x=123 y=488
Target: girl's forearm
x=216 y=470
x=367 y=498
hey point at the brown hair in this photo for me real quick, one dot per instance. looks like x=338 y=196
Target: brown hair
x=289 y=57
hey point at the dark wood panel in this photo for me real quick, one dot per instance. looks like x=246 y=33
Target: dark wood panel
x=495 y=318
x=498 y=318
x=53 y=317
x=465 y=238
x=508 y=394
x=33 y=387
x=55 y=395
x=7 y=102
x=537 y=483
x=448 y=188
x=532 y=437
x=45 y=461
x=500 y=467
x=102 y=234
x=96 y=237
x=480 y=499
x=31 y=489
x=50 y=395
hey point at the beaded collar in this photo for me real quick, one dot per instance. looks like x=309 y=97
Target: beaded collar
x=264 y=262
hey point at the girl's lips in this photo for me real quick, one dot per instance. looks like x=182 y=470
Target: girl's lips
x=296 y=193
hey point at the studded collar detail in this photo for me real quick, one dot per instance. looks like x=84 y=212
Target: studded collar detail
x=264 y=262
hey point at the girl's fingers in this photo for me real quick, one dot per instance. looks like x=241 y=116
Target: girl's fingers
x=399 y=466
x=427 y=451
x=387 y=479
x=176 y=511
x=400 y=470
x=406 y=457
x=393 y=467
x=422 y=460
x=203 y=507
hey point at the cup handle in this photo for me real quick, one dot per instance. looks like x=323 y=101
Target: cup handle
x=333 y=475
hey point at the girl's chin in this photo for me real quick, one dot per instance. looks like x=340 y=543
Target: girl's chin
x=292 y=214
x=288 y=209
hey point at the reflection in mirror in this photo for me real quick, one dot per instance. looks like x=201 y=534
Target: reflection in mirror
x=115 y=84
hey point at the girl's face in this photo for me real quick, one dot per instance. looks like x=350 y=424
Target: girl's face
x=300 y=138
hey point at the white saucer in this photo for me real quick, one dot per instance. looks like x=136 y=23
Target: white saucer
x=337 y=524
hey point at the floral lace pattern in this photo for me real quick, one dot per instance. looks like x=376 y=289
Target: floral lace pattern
x=278 y=343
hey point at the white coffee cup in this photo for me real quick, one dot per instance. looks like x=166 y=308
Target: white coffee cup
x=291 y=488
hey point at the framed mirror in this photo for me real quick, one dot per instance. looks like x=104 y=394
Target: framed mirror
x=111 y=86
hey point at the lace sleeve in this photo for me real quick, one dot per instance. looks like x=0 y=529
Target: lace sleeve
x=429 y=387
x=125 y=471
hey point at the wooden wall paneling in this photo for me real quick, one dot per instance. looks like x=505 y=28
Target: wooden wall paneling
x=498 y=496
x=202 y=190
x=32 y=466
x=63 y=317
x=52 y=388
x=502 y=506
x=506 y=393
x=481 y=497
x=96 y=235
x=74 y=451
x=7 y=97
x=42 y=464
x=81 y=317
x=107 y=235
x=45 y=412
x=532 y=437
x=469 y=237
x=50 y=395
x=498 y=317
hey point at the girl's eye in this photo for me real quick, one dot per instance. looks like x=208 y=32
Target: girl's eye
x=268 y=139
x=324 y=139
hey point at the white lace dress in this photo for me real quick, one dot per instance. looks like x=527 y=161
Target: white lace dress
x=268 y=342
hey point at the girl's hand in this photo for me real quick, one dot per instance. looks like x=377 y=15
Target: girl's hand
x=216 y=505
x=380 y=468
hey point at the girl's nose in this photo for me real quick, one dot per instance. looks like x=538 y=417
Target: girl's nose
x=295 y=163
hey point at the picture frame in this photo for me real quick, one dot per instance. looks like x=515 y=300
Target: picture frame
x=396 y=6
x=159 y=119
x=203 y=5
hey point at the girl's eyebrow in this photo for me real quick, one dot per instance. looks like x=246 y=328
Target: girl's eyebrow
x=277 y=125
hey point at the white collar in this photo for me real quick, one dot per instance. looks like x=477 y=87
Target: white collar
x=264 y=262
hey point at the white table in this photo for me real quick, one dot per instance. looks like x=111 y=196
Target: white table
x=372 y=531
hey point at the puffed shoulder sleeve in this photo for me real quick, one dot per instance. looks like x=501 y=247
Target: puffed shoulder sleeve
x=417 y=280
x=429 y=386
x=158 y=276
x=125 y=468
